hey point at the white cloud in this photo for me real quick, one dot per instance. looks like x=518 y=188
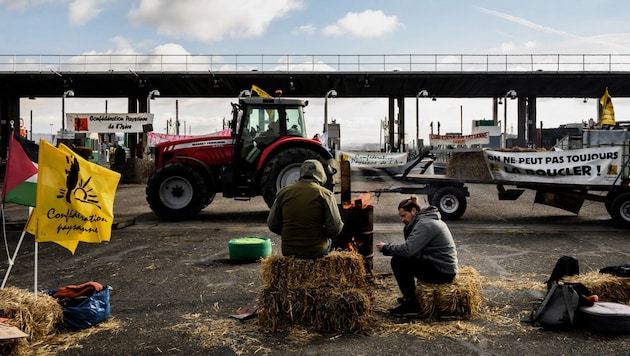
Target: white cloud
x=211 y=20
x=13 y=5
x=607 y=42
x=82 y=11
x=169 y=48
x=306 y=29
x=368 y=24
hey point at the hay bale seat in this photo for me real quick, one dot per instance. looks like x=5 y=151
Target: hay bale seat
x=39 y=318
x=328 y=294
x=607 y=287
x=460 y=299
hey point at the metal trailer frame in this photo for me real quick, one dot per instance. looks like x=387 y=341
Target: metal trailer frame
x=449 y=194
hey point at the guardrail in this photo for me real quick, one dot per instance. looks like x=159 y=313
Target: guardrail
x=90 y=63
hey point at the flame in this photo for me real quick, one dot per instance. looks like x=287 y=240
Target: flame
x=354 y=244
x=366 y=200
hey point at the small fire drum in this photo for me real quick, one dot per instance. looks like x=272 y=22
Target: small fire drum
x=357 y=233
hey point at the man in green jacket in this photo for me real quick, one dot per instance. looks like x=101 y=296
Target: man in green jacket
x=305 y=214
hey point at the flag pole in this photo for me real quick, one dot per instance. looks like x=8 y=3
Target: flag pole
x=17 y=248
x=12 y=260
x=35 y=277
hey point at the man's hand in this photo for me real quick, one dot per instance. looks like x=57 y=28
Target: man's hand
x=379 y=246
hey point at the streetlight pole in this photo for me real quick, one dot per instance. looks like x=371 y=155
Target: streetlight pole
x=512 y=95
x=152 y=94
x=331 y=94
x=66 y=94
x=422 y=93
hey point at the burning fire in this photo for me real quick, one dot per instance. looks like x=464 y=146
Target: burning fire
x=354 y=244
x=364 y=198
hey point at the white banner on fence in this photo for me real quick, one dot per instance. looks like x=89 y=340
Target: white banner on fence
x=104 y=123
x=481 y=138
x=589 y=166
x=375 y=159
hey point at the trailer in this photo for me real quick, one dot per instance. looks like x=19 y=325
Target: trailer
x=591 y=166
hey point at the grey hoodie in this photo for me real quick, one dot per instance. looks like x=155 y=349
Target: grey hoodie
x=427 y=238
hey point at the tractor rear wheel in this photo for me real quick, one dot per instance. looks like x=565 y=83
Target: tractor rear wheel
x=284 y=169
x=177 y=191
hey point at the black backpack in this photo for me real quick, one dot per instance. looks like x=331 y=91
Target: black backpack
x=557 y=310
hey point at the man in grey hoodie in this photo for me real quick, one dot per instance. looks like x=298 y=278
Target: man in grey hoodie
x=305 y=214
x=427 y=254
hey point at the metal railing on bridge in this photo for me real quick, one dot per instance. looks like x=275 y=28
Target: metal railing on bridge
x=189 y=63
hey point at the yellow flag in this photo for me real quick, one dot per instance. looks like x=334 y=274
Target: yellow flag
x=261 y=93
x=607 y=113
x=75 y=199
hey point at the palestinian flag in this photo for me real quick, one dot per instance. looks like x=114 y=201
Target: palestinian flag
x=20 y=178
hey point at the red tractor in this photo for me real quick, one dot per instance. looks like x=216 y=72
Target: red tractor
x=268 y=143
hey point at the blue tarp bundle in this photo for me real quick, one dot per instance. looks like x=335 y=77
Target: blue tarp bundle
x=85 y=311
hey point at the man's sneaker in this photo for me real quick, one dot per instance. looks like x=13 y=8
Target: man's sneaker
x=406 y=309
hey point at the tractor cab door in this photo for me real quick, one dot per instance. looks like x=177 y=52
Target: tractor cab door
x=259 y=126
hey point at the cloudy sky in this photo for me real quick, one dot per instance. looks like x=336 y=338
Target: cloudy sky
x=356 y=27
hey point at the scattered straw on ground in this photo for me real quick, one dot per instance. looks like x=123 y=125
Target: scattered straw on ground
x=513 y=284
x=248 y=337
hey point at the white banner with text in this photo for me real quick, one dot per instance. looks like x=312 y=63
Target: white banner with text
x=588 y=166
x=104 y=123
x=375 y=159
x=481 y=138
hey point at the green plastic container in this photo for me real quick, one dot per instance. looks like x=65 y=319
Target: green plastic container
x=249 y=248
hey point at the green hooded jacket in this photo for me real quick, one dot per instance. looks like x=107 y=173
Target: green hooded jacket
x=305 y=214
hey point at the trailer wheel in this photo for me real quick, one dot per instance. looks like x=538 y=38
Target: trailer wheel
x=177 y=191
x=451 y=202
x=620 y=210
x=284 y=169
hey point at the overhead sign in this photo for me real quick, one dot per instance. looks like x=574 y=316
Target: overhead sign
x=104 y=123
x=481 y=138
x=589 y=166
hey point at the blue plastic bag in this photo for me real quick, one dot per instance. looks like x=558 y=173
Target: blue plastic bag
x=84 y=312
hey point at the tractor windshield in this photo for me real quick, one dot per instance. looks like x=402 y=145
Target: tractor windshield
x=295 y=122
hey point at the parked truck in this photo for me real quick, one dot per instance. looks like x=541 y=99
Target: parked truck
x=262 y=154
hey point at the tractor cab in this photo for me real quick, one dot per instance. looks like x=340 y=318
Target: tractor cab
x=260 y=123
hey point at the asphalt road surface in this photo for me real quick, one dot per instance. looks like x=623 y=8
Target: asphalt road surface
x=174 y=285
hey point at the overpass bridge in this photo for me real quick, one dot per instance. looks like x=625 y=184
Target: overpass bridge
x=396 y=77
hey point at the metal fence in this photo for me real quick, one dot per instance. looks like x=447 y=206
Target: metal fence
x=90 y=63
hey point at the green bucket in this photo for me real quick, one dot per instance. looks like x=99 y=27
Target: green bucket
x=249 y=248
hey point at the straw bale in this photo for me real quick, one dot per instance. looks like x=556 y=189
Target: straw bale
x=326 y=294
x=469 y=165
x=327 y=309
x=339 y=268
x=39 y=318
x=459 y=299
x=607 y=287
